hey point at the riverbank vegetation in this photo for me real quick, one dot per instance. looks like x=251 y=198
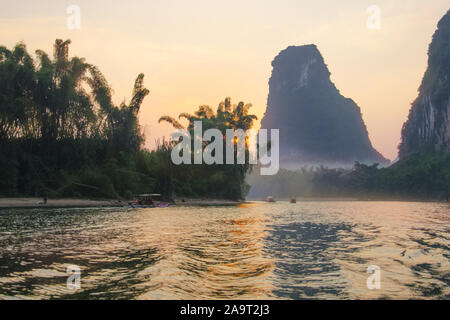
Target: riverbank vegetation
x=214 y=181
x=424 y=175
x=61 y=135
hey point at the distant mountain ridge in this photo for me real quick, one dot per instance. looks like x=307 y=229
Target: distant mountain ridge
x=317 y=124
x=428 y=124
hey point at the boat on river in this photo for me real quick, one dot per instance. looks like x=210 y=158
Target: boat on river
x=148 y=201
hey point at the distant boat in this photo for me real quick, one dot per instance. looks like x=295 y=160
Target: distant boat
x=148 y=201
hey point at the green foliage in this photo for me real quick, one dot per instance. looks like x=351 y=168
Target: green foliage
x=60 y=132
x=218 y=181
x=420 y=175
x=423 y=175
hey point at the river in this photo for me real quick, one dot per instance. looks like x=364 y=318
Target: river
x=308 y=250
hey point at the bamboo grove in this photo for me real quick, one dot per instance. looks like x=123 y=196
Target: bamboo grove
x=61 y=135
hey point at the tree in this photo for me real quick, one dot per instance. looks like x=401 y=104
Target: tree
x=214 y=180
x=58 y=122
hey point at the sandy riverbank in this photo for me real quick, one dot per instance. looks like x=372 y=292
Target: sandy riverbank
x=86 y=203
x=57 y=203
x=83 y=203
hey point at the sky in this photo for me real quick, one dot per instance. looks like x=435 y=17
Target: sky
x=197 y=52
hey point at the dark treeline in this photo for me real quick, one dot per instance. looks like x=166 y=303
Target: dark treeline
x=62 y=136
x=424 y=175
x=218 y=181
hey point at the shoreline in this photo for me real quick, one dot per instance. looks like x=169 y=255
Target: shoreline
x=25 y=202
x=349 y=199
x=33 y=203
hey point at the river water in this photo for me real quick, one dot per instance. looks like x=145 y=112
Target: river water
x=308 y=250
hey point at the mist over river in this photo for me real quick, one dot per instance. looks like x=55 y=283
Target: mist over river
x=308 y=250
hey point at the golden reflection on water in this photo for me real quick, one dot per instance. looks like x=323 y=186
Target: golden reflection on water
x=306 y=250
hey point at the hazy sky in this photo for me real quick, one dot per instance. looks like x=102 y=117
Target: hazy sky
x=200 y=51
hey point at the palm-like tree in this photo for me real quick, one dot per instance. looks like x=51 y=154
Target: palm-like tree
x=64 y=105
x=63 y=98
x=16 y=94
x=228 y=116
x=230 y=180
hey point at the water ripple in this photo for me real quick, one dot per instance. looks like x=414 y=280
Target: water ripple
x=310 y=250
